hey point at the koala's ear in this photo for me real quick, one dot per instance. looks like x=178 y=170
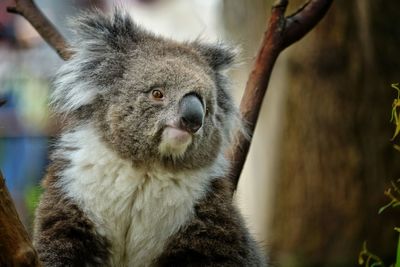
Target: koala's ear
x=97 y=32
x=218 y=56
x=101 y=43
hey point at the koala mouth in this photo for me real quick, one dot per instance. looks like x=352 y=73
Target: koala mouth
x=176 y=136
x=174 y=141
x=178 y=133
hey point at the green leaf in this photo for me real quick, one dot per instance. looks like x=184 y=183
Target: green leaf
x=398 y=250
x=386 y=206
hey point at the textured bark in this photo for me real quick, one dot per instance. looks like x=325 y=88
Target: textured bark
x=15 y=246
x=336 y=156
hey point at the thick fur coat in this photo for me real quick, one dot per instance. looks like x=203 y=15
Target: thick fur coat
x=136 y=177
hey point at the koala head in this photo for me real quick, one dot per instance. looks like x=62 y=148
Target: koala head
x=153 y=101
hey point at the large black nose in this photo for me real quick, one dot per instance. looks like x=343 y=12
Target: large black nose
x=191 y=113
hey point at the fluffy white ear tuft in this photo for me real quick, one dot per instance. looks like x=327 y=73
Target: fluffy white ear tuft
x=70 y=90
x=100 y=45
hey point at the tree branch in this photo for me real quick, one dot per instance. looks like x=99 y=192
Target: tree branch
x=15 y=245
x=281 y=32
x=29 y=10
x=303 y=20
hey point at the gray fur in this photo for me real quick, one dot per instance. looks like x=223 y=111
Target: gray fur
x=114 y=67
x=108 y=83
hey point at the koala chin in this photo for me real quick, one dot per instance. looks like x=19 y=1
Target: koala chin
x=174 y=141
x=138 y=174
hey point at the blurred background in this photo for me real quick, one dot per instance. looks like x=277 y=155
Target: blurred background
x=322 y=153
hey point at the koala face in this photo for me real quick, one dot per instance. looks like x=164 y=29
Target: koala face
x=163 y=109
x=154 y=101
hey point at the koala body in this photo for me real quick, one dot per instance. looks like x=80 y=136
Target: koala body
x=137 y=175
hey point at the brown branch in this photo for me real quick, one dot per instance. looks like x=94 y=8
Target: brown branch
x=281 y=32
x=29 y=10
x=303 y=20
x=16 y=248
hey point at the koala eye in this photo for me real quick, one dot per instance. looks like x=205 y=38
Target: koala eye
x=157 y=94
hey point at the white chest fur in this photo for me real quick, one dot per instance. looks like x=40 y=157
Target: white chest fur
x=136 y=211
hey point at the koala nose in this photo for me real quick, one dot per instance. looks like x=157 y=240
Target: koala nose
x=191 y=113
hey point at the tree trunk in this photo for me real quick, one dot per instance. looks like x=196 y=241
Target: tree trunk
x=337 y=158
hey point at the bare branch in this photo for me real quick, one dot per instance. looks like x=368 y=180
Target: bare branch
x=256 y=87
x=44 y=27
x=304 y=19
x=16 y=247
x=281 y=32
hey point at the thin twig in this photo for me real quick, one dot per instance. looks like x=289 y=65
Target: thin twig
x=303 y=20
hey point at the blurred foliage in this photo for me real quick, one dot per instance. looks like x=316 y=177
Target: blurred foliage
x=367 y=258
x=396 y=114
x=393 y=193
x=32 y=196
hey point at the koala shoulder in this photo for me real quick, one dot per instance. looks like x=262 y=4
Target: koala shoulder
x=216 y=234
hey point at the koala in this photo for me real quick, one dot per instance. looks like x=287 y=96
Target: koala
x=137 y=175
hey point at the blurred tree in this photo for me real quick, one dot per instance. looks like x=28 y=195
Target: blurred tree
x=336 y=154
